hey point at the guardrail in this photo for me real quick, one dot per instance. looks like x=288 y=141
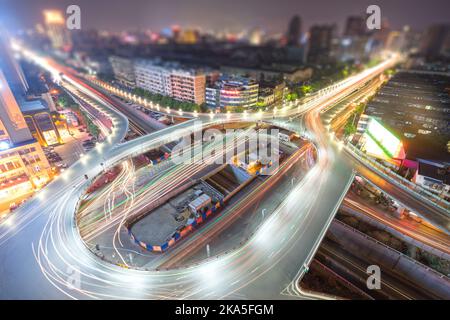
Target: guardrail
x=406 y=185
x=403 y=183
x=337 y=224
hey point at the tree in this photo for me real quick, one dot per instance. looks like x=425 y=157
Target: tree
x=292 y=96
x=62 y=101
x=203 y=107
x=360 y=108
x=170 y=102
x=349 y=129
x=305 y=89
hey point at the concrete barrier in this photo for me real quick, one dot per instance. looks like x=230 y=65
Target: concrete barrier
x=179 y=234
x=378 y=253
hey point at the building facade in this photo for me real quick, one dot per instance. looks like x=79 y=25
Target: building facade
x=436 y=42
x=294 y=32
x=11 y=68
x=230 y=93
x=320 y=43
x=171 y=79
x=23 y=165
x=434 y=176
x=57 y=31
x=123 y=70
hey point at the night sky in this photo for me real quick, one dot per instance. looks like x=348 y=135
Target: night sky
x=232 y=15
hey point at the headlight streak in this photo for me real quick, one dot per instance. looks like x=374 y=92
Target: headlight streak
x=60 y=245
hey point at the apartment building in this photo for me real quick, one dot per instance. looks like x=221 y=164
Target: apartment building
x=123 y=70
x=171 y=79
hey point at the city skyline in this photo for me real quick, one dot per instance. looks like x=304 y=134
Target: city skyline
x=273 y=18
x=298 y=151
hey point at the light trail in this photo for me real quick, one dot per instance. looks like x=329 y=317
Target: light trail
x=288 y=236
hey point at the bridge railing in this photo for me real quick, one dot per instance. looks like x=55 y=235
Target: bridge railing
x=403 y=183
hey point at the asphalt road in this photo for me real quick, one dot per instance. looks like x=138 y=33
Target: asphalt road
x=43 y=257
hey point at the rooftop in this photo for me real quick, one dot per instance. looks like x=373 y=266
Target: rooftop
x=435 y=170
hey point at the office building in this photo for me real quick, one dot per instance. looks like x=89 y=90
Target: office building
x=171 y=79
x=416 y=105
x=23 y=165
x=57 y=32
x=11 y=68
x=294 y=32
x=320 y=43
x=230 y=93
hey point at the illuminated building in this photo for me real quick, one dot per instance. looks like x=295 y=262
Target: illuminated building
x=57 y=31
x=11 y=68
x=42 y=128
x=232 y=92
x=380 y=143
x=23 y=165
x=266 y=97
x=188 y=36
x=15 y=129
x=272 y=93
x=415 y=103
x=188 y=85
x=171 y=79
x=256 y=37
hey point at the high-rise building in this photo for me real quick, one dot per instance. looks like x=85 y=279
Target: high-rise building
x=11 y=68
x=23 y=165
x=188 y=85
x=436 y=41
x=57 y=31
x=355 y=27
x=13 y=123
x=187 y=36
x=294 y=32
x=232 y=92
x=320 y=42
x=255 y=37
x=123 y=69
x=171 y=79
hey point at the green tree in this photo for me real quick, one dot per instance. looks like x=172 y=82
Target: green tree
x=305 y=89
x=349 y=129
